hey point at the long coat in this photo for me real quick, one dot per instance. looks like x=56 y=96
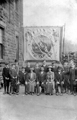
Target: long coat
x=22 y=77
x=6 y=74
x=42 y=77
x=6 y=78
x=66 y=74
x=72 y=75
x=45 y=68
x=72 y=78
x=27 y=69
x=37 y=71
x=13 y=74
x=50 y=76
x=31 y=78
x=59 y=77
x=49 y=82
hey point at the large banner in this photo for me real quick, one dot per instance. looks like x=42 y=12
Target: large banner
x=42 y=43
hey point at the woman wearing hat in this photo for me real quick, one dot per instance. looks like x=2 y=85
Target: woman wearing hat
x=50 y=82
x=31 y=81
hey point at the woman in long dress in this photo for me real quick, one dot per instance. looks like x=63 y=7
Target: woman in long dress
x=50 y=82
x=31 y=81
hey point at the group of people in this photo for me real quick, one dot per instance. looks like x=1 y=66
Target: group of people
x=46 y=79
x=11 y=78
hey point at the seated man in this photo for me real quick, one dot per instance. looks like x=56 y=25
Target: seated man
x=50 y=82
x=23 y=79
x=41 y=81
x=59 y=82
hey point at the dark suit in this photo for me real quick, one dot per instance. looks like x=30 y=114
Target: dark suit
x=45 y=68
x=59 y=81
x=27 y=69
x=23 y=80
x=72 y=78
x=6 y=79
x=21 y=77
x=42 y=80
x=66 y=78
x=37 y=71
x=14 y=81
x=75 y=83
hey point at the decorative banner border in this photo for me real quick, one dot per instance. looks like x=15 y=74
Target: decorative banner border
x=42 y=43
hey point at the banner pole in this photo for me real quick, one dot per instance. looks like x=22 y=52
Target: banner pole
x=64 y=39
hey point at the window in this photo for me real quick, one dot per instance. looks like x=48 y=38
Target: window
x=1 y=35
x=1 y=42
x=16 y=5
x=17 y=48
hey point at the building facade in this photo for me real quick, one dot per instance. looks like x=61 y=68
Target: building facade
x=11 y=31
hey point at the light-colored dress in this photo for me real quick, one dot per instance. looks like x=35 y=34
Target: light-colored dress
x=31 y=83
x=50 y=82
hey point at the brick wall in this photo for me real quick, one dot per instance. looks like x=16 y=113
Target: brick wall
x=12 y=23
x=11 y=20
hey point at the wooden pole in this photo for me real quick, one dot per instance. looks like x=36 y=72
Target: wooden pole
x=64 y=39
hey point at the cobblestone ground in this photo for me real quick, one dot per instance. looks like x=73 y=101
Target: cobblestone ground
x=27 y=107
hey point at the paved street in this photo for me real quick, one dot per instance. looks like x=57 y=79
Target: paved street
x=27 y=107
